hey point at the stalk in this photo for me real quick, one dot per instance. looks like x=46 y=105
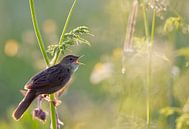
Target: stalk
x=64 y=31
x=148 y=85
x=145 y=22
x=53 y=112
x=128 y=43
x=153 y=28
x=149 y=68
x=37 y=32
x=55 y=58
x=42 y=48
x=150 y=42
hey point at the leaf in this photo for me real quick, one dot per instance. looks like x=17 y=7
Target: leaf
x=173 y=23
x=167 y=111
x=182 y=122
x=183 y=52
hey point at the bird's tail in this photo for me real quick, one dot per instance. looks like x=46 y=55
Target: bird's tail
x=24 y=104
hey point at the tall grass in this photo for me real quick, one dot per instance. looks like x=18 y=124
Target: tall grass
x=128 y=47
x=150 y=43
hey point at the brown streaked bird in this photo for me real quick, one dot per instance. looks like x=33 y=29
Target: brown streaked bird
x=48 y=81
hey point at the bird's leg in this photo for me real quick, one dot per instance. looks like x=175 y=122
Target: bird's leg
x=38 y=112
x=56 y=102
x=40 y=98
x=46 y=97
x=58 y=121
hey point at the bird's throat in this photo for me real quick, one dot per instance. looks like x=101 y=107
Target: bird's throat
x=74 y=67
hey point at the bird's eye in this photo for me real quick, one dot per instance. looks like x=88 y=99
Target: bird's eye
x=71 y=59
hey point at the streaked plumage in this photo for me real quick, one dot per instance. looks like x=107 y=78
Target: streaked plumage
x=48 y=81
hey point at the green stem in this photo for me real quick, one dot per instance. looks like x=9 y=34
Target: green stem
x=67 y=22
x=42 y=48
x=148 y=83
x=37 y=32
x=149 y=67
x=52 y=97
x=145 y=22
x=53 y=112
x=153 y=27
x=64 y=31
x=149 y=60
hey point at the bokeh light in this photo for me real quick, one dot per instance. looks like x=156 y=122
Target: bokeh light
x=11 y=48
x=49 y=26
x=100 y=96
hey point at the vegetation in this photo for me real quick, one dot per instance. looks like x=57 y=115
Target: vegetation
x=136 y=72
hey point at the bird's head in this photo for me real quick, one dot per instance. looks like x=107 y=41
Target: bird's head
x=71 y=61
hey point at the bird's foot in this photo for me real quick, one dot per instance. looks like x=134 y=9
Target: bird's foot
x=46 y=97
x=56 y=102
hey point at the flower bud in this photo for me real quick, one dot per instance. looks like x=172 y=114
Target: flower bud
x=39 y=114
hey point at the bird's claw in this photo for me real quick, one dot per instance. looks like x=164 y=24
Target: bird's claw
x=56 y=102
x=46 y=97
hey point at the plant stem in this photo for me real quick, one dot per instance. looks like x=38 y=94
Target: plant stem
x=145 y=21
x=37 y=32
x=64 y=31
x=153 y=27
x=53 y=112
x=149 y=67
x=148 y=83
x=52 y=97
x=42 y=48
x=149 y=59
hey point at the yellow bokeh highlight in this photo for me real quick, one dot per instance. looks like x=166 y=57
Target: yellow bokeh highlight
x=117 y=53
x=98 y=66
x=11 y=48
x=49 y=26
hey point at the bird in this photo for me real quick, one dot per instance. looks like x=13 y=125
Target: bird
x=46 y=82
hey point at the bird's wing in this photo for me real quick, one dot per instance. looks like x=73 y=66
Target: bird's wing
x=52 y=76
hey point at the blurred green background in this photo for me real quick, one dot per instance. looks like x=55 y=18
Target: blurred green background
x=100 y=96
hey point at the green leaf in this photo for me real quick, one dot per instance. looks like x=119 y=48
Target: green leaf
x=182 y=122
x=167 y=111
x=173 y=23
x=183 y=52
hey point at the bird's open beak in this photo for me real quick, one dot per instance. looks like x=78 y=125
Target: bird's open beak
x=78 y=62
